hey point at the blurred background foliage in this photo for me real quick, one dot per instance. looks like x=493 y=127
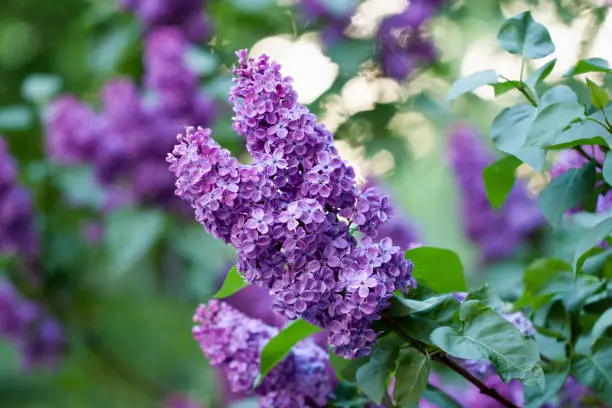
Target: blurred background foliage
x=126 y=300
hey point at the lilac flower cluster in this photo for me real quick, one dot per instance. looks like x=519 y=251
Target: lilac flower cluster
x=126 y=140
x=291 y=213
x=185 y=15
x=334 y=15
x=38 y=337
x=233 y=342
x=17 y=235
x=402 y=42
x=497 y=233
x=571 y=159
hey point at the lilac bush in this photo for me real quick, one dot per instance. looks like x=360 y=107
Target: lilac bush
x=233 y=341
x=290 y=214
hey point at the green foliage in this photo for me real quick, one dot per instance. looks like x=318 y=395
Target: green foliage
x=598 y=95
x=499 y=179
x=439 y=397
x=595 y=370
x=591 y=238
x=522 y=35
x=437 y=268
x=541 y=74
x=411 y=377
x=555 y=378
x=373 y=376
x=589 y=65
x=233 y=283
x=472 y=82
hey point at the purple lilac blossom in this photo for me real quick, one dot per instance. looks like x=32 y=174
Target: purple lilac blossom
x=571 y=159
x=38 y=337
x=496 y=233
x=334 y=15
x=290 y=213
x=125 y=141
x=402 y=43
x=186 y=15
x=17 y=234
x=233 y=343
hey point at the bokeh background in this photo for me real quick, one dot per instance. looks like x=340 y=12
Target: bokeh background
x=122 y=268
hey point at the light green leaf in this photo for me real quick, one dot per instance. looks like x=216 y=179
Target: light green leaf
x=439 y=398
x=471 y=82
x=595 y=371
x=580 y=132
x=15 y=117
x=130 y=234
x=541 y=73
x=233 y=283
x=506 y=86
x=411 y=377
x=589 y=65
x=499 y=179
x=591 y=238
x=573 y=291
x=509 y=133
x=40 y=87
x=550 y=121
x=485 y=335
x=79 y=185
x=557 y=94
x=372 y=377
x=280 y=345
x=522 y=35
x=437 y=268
x=537 y=274
x=599 y=97
x=555 y=378
x=607 y=169
x=485 y=295
x=200 y=61
x=436 y=307
x=567 y=191
x=602 y=325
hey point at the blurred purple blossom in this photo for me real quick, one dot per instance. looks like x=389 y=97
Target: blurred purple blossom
x=496 y=233
x=289 y=219
x=233 y=342
x=334 y=15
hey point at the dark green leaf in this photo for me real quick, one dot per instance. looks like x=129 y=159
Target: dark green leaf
x=572 y=291
x=471 y=82
x=130 y=235
x=437 y=268
x=499 y=179
x=553 y=320
x=595 y=371
x=522 y=35
x=439 y=398
x=436 y=307
x=555 y=378
x=550 y=121
x=280 y=345
x=233 y=283
x=599 y=97
x=591 y=238
x=372 y=377
x=485 y=335
x=567 y=191
x=588 y=65
x=503 y=87
x=603 y=325
x=537 y=274
x=411 y=377
x=541 y=73
x=349 y=54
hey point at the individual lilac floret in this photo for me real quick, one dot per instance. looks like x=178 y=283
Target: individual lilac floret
x=17 y=235
x=334 y=15
x=571 y=159
x=233 y=343
x=39 y=338
x=186 y=15
x=402 y=43
x=290 y=214
x=124 y=142
x=496 y=233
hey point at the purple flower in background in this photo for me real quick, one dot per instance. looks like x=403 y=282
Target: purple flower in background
x=38 y=337
x=233 y=343
x=334 y=15
x=497 y=233
x=186 y=15
x=125 y=141
x=17 y=234
x=401 y=41
x=291 y=227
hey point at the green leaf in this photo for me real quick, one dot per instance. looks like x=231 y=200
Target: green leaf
x=509 y=133
x=349 y=54
x=201 y=61
x=607 y=169
x=506 y=86
x=233 y=283
x=439 y=398
x=522 y=35
x=555 y=379
x=346 y=369
x=573 y=291
x=595 y=371
x=436 y=307
x=591 y=238
x=602 y=325
x=541 y=73
x=580 y=132
x=485 y=295
x=599 y=97
x=589 y=65
x=130 y=234
x=557 y=94
x=485 y=335
x=550 y=121
x=80 y=186
x=411 y=377
x=499 y=179
x=372 y=377
x=437 y=268
x=553 y=320
x=15 y=117
x=280 y=345
x=40 y=88
x=471 y=82
x=537 y=274
x=567 y=191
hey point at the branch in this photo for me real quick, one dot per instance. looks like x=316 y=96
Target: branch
x=453 y=365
